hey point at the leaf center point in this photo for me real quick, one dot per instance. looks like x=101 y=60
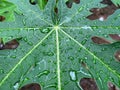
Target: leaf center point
x=56 y=27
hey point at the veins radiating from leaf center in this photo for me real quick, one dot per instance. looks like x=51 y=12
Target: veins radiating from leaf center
x=23 y=58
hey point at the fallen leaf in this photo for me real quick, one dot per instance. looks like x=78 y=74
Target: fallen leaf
x=88 y=84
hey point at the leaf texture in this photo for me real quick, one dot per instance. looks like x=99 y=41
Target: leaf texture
x=50 y=54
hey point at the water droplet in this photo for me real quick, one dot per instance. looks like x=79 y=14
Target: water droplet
x=80 y=9
x=79 y=50
x=1 y=71
x=26 y=79
x=48 y=53
x=45 y=30
x=84 y=41
x=71 y=58
x=103 y=49
x=45 y=72
x=25 y=39
x=16 y=86
x=13 y=56
x=30 y=43
x=73 y=75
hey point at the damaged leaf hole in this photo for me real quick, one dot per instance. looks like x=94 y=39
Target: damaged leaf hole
x=70 y=2
x=31 y=86
x=2 y=18
x=13 y=44
x=104 y=12
x=88 y=84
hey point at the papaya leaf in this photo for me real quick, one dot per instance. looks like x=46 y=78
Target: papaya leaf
x=53 y=45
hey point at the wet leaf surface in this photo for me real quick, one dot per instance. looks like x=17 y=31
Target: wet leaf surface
x=53 y=45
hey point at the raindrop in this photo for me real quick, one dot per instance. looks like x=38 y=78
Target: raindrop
x=45 y=30
x=80 y=9
x=25 y=39
x=31 y=86
x=45 y=72
x=16 y=86
x=48 y=53
x=84 y=41
x=71 y=58
x=30 y=43
x=103 y=49
x=73 y=75
x=79 y=50
x=1 y=71
x=13 y=56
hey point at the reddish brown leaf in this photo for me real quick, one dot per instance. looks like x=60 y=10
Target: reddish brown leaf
x=115 y=37
x=99 y=40
x=117 y=55
x=32 y=86
x=69 y=4
x=76 y=1
x=2 y=18
x=88 y=84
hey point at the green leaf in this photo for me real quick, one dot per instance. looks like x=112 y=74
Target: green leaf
x=42 y=3
x=116 y=2
x=7 y=10
x=51 y=53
